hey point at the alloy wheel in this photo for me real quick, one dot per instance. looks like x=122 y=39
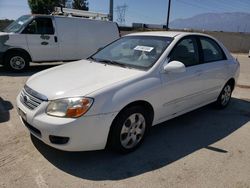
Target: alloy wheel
x=132 y=130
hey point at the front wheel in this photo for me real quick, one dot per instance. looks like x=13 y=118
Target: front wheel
x=16 y=61
x=225 y=96
x=129 y=129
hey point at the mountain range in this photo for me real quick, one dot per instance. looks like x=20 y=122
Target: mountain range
x=228 y=22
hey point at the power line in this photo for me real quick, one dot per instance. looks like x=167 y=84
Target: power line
x=197 y=5
x=240 y=5
x=207 y=5
x=227 y=6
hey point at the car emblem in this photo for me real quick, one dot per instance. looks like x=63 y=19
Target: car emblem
x=25 y=98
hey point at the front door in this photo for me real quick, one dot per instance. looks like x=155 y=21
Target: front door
x=42 y=40
x=182 y=91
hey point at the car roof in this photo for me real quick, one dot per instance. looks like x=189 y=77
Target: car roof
x=171 y=34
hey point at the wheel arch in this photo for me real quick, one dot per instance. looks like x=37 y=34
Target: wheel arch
x=149 y=108
x=231 y=81
x=11 y=50
x=146 y=105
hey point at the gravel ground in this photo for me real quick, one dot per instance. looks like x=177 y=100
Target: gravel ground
x=204 y=148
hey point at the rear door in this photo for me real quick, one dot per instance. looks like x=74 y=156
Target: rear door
x=214 y=67
x=42 y=40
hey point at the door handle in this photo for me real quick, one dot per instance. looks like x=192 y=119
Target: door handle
x=55 y=38
x=44 y=43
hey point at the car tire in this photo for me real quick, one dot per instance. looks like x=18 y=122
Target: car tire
x=129 y=129
x=225 y=96
x=16 y=61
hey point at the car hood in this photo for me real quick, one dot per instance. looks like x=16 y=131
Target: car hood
x=78 y=78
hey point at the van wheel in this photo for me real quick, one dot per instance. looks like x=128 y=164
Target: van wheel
x=129 y=129
x=225 y=96
x=16 y=61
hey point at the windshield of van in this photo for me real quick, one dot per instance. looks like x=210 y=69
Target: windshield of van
x=133 y=51
x=17 y=25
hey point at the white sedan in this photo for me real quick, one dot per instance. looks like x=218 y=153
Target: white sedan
x=114 y=97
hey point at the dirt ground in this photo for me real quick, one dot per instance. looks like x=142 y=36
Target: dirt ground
x=204 y=148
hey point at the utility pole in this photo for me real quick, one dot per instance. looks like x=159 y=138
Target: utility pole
x=169 y=5
x=111 y=9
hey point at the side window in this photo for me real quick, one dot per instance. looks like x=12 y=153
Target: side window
x=40 y=26
x=186 y=51
x=211 y=50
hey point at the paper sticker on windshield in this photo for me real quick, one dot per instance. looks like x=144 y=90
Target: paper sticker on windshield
x=20 y=23
x=144 y=48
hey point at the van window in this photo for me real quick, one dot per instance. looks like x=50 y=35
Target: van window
x=40 y=26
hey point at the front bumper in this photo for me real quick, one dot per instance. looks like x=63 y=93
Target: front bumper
x=84 y=133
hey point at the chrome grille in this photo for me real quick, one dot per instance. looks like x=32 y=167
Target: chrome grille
x=29 y=100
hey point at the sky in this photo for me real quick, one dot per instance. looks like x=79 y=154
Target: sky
x=142 y=11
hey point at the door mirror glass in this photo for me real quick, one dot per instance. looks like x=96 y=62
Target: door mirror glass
x=174 y=67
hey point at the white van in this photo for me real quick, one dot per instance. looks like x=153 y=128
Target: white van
x=45 y=38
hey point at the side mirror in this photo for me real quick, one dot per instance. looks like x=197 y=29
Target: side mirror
x=174 y=67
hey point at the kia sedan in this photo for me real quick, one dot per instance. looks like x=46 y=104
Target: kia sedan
x=116 y=95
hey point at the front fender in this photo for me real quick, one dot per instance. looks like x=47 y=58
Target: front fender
x=115 y=99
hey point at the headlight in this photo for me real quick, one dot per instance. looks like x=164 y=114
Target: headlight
x=69 y=107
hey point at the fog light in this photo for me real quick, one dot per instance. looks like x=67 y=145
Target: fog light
x=58 y=139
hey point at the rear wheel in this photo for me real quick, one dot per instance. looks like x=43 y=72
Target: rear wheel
x=225 y=96
x=16 y=61
x=129 y=129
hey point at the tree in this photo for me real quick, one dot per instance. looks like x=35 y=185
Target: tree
x=80 y=4
x=43 y=6
x=4 y=24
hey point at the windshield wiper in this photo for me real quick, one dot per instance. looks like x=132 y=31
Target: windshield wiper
x=110 y=62
x=91 y=58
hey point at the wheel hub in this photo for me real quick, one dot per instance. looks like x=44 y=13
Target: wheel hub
x=17 y=62
x=132 y=130
x=226 y=95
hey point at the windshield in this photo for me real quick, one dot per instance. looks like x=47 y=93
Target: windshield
x=133 y=51
x=17 y=25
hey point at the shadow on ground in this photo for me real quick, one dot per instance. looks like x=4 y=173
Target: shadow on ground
x=166 y=143
x=34 y=68
x=5 y=107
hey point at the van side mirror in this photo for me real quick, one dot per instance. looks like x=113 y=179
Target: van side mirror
x=174 y=67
